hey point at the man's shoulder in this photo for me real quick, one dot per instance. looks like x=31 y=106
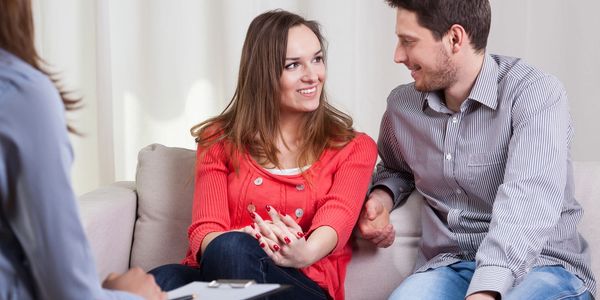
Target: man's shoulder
x=407 y=88
x=519 y=72
x=404 y=94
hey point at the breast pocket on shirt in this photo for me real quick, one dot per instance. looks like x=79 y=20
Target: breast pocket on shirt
x=487 y=166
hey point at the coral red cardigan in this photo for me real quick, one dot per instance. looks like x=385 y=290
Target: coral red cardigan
x=339 y=178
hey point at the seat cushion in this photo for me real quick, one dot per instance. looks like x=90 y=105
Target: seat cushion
x=374 y=272
x=587 y=192
x=165 y=186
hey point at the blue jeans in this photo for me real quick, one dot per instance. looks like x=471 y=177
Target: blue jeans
x=236 y=255
x=452 y=282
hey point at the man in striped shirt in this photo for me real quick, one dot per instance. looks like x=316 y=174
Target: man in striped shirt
x=486 y=140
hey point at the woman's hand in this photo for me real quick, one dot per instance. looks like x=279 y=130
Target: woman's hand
x=282 y=239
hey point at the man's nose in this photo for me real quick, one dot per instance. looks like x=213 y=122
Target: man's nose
x=399 y=54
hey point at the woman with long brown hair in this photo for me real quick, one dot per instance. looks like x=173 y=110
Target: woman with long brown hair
x=281 y=175
x=44 y=253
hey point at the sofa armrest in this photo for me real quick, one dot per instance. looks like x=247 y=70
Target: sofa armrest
x=108 y=215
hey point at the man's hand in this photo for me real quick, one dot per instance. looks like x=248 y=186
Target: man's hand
x=135 y=281
x=374 y=221
x=486 y=295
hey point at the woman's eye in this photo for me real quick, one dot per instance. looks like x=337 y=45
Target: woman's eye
x=318 y=59
x=291 y=66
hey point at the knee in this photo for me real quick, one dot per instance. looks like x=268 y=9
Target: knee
x=232 y=245
x=172 y=276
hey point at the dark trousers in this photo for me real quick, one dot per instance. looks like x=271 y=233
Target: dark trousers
x=236 y=255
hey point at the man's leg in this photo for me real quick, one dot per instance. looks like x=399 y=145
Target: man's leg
x=446 y=283
x=549 y=282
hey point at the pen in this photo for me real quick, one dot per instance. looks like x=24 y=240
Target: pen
x=187 y=297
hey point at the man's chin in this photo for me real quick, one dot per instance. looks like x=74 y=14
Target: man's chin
x=422 y=87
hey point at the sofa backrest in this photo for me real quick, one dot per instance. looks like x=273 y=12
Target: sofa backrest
x=165 y=186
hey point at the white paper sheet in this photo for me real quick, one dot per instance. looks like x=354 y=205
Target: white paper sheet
x=223 y=292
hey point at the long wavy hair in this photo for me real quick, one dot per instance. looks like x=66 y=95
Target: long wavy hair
x=250 y=122
x=17 y=37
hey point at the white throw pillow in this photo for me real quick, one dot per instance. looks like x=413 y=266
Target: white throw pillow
x=165 y=186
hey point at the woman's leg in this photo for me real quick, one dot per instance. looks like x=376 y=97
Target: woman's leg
x=172 y=276
x=236 y=255
x=550 y=282
x=446 y=283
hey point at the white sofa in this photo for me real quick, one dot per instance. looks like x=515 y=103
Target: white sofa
x=144 y=223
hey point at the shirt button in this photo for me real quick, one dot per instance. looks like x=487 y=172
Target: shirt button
x=258 y=181
x=299 y=212
x=251 y=207
x=300 y=187
x=458 y=191
x=454 y=120
x=448 y=156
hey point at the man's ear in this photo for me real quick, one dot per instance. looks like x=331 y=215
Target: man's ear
x=457 y=37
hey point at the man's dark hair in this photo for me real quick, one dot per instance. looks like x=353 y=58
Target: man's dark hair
x=439 y=15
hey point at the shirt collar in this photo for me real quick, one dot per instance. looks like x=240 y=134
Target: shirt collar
x=484 y=91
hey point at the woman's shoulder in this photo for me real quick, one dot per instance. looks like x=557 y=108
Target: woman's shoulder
x=363 y=140
x=28 y=98
x=361 y=143
x=20 y=77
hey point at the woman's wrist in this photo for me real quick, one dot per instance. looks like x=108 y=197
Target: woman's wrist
x=310 y=255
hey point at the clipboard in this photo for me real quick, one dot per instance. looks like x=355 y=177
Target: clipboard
x=227 y=290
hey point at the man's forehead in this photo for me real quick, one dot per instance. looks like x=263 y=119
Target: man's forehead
x=407 y=25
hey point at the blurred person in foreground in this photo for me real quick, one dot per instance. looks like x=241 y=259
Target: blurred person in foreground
x=44 y=253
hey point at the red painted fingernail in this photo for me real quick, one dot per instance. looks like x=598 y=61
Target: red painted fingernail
x=276 y=248
x=252 y=215
x=268 y=208
x=262 y=245
x=257 y=236
x=252 y=225
x=287 y=240
x=300 y=234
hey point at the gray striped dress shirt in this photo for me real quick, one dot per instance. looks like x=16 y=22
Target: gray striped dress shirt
x=496 y=176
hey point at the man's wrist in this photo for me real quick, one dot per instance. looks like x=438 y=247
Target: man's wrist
x=385 y=196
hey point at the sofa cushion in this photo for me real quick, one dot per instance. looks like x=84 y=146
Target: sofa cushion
x=587 y=192
x=165 y=185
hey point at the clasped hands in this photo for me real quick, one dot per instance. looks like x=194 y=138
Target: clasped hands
x=281 y=238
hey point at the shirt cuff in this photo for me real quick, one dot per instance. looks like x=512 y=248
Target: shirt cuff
x=491 y=278
x=386 y=185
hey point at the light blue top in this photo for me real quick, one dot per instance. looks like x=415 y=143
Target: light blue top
x=44 y=253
